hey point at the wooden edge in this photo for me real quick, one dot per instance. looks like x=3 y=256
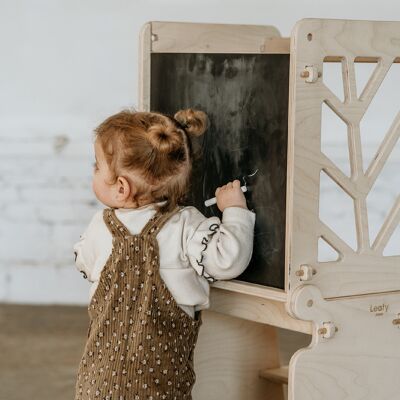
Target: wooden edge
x=358 y=59
x=276 y=45
x=250 y=307
x=251 y=289
x=144 y=67
x=362 y=295
x=290 y=163
x=277 y=375
x=183 y=37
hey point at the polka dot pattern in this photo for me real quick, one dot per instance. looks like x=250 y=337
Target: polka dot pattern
x=140 y=342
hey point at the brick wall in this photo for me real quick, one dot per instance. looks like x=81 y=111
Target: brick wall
x=65 y=67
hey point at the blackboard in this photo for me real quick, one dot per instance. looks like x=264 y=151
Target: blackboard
x=246 y=99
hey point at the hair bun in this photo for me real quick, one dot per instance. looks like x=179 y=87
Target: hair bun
x=194 y=121
x=164 y=138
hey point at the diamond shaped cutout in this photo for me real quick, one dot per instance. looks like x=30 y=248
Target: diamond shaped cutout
x=364 y=71
x=334 y=139
x=380 y=114
x=336 y=210
x=326 y=253
x=393 y=246
x=332 y=77
x=384 y=193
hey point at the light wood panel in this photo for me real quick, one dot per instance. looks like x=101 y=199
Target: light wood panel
x=144 y=67
x=178 y=37
x=360 y=361
x=254 y=308
x=364 y=270
x=229 y=354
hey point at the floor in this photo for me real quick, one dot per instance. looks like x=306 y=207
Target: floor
x=40 y=349
x=41 y=346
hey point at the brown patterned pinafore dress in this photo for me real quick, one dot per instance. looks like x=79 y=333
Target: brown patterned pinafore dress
x=140 y=342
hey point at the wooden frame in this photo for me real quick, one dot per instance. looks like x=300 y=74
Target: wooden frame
x=354 y=302
x=332 y=40
x=234 y=302
x=170 y=37
x=350 y=306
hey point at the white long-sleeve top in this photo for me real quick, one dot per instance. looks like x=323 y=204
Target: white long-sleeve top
x=193 y=249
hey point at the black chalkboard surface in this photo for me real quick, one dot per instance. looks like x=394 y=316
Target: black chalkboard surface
x=246 y=99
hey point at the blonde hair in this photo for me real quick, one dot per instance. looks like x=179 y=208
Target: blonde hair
x=155 y=148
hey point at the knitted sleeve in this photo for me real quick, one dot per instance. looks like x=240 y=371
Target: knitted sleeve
x=221 y=250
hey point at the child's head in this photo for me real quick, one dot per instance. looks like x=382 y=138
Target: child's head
x=145 y=157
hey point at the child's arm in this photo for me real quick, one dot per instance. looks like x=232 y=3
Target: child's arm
x=84 y=249
x=222 y=250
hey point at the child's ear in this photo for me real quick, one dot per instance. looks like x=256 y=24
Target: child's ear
x=124 y=189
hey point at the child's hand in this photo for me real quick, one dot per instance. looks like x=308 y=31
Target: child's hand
x=230 y=195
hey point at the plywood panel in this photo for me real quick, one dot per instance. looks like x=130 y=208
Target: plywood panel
x=360 y=361
x=229 y=355
x=178 y=37
x=364 y=269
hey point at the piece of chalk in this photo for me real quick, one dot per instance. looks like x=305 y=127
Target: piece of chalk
x=212 y=201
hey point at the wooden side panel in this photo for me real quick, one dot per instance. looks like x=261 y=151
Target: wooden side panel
x=144 y=67
x=362 y=359
x=365 y=269
x=229 y=355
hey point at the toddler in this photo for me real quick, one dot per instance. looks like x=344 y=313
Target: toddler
x=150 y=260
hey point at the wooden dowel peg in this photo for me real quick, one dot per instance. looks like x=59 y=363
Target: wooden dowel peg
x=311 y=74
x=305 y=272
x=327 y=330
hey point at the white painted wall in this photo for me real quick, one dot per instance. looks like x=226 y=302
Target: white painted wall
x=65 y=66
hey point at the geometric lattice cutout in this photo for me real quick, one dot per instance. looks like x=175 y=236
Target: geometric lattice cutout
x=380 y=114
x=334 y=139
x=326 y=252
x=363 y=72
x=384 y=193
x=332 y=76
x=336 y=210
x=393 y=246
